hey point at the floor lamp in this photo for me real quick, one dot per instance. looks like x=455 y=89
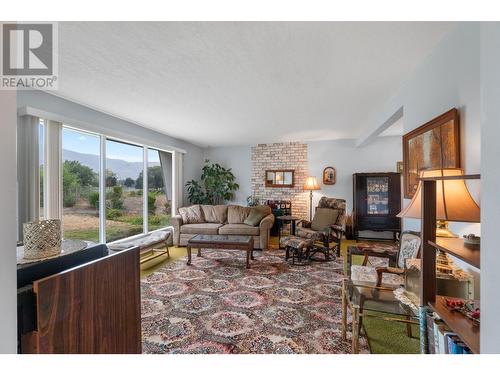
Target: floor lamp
x=311 y=184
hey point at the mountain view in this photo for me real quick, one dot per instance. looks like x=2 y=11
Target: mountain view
x=121 y=168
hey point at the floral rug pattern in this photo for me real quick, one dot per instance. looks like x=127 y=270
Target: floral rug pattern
x=216 y=305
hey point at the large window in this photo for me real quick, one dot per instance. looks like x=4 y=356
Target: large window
x=124 y=190
x=81 y=160
x=105 y=196
x=158 y=201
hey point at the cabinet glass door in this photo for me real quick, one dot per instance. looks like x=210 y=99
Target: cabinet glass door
x=377 y=190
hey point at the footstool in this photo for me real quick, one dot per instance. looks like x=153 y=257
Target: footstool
x=298 y=248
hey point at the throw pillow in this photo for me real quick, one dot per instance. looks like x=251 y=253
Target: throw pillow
x=323 y=218
x=214 y=214
x=191 y=215
x=255 y=216
x=237 y=214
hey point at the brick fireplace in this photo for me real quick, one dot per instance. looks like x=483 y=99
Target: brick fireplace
x=289 y=155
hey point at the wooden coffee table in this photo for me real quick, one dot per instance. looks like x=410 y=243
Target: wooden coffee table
x=221 y=241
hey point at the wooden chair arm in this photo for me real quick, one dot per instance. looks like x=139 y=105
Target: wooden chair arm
x=379 y=254
x=382 y=270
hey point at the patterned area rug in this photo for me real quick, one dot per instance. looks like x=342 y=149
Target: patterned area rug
x=216 y=305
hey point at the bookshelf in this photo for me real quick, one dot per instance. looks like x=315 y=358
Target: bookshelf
x=457 y=248
x=468 y=332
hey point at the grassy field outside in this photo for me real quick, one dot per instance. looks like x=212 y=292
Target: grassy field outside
x=81 y=221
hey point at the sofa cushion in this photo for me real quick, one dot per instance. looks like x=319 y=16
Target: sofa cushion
x=202 y=228
x=242 y=229
x=153 y=238
x=191 y=214
x=237 y=214
x=255 y=216
x=214 y=214
x=323 y=217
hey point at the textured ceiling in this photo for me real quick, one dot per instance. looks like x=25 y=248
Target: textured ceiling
x=234 y=83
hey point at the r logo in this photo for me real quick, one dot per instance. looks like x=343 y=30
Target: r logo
x=27 y=49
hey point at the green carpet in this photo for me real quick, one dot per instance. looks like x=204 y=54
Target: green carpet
x=383 y=337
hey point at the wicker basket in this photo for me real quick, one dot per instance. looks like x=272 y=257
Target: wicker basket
x=42 y=239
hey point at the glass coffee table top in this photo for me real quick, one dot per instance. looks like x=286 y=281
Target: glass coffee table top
x=220 y=238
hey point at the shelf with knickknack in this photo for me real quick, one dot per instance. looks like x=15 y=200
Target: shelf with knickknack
x=460 y=318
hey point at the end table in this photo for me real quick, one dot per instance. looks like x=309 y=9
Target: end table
x=284 y=220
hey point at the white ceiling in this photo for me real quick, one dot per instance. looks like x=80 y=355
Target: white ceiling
x=233 y=83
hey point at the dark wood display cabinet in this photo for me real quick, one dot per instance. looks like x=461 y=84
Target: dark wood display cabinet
x=377 y=201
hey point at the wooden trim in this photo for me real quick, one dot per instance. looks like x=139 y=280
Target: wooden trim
x=445 y=178
x=457 y=248
x=451 y=115
x=428 y=274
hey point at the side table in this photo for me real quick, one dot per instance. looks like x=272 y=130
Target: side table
x=284 y=220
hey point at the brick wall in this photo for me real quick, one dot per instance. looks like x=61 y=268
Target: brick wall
x=290 y=155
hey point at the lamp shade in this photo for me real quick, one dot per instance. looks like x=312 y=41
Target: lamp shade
x=453 y=199
x=311 y=183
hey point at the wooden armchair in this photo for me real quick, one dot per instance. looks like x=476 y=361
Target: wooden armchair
x=326 y=240
x=391 y=275
x=395 y=264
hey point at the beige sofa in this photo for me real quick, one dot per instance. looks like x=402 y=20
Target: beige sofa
x=221 y=219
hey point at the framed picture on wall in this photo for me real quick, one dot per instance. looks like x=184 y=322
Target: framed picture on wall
x=329 y=176
x=433 y=145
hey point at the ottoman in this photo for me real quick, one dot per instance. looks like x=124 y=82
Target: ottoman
x=298 y=248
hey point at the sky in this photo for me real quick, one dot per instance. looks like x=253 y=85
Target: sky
x=89 y=144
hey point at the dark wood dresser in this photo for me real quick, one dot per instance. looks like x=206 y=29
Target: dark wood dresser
x=377 y=201
x=86 y=302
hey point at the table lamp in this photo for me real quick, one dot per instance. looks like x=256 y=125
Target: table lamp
x=453 y=201
x=311 y=184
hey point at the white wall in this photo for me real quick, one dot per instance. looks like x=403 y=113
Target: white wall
x=43 y=101
x=239 y=159
x=448 y=78
x=490 y=182
x=381 y=155
x=8 y=310
x=378 y=156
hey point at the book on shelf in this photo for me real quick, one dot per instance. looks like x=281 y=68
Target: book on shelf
x=442 y=340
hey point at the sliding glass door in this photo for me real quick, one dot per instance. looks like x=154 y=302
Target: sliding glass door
x=124 y=190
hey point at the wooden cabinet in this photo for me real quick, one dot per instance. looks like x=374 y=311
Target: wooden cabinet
x=86 y=302
x=377 y=201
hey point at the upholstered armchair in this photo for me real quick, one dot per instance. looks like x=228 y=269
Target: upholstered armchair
x=387 y=268
x=327 y=227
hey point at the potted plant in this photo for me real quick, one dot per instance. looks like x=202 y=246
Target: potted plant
x=217 y=185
